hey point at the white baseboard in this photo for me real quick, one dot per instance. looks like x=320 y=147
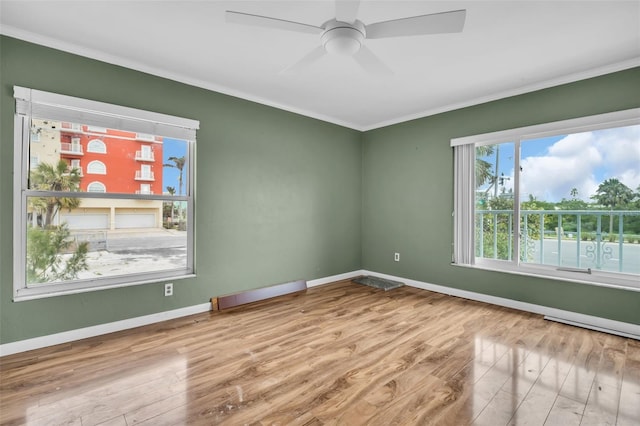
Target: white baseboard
x=573 y=318
x=619 y=328
x=97 y=330
x=334 y=278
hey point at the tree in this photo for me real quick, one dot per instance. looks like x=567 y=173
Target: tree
x=50 y=177
x=613 y=193
x=574 y=193
x=46 y=253
x=178 y=163
x=51 y=255
x=171 y=190
x=484 y=171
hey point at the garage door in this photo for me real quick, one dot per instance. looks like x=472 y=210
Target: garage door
x=86 y=221
x=135 y=220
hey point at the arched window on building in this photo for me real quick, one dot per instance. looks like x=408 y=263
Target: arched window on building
x=96 y=187
x=97 y=168
x=96 y=145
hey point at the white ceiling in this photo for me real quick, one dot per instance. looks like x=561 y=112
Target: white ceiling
x=506 y=48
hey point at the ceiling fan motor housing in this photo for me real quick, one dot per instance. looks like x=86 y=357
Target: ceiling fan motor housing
x=343 y=38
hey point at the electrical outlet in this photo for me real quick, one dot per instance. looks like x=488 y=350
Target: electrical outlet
x=168 y=289
x=396 y=257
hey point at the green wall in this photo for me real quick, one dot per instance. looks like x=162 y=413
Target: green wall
x=408 y=195
x=278 y=194
x=283 y=197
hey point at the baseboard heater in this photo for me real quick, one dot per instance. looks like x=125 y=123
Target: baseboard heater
x=603 y=329
x=250 y=296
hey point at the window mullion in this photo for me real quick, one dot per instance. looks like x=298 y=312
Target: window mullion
x=21 y=139
x=516 y=203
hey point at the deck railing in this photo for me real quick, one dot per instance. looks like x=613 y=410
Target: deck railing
x=564 y=238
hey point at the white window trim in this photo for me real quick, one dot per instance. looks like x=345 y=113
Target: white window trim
x=96 y=163
x=58 y=107
x=464 y=210
x=96 y=182
x=37 y=104
x=97 y=142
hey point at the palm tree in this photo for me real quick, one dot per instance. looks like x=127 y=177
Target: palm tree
x=44 y=262
x=178 y=163
x=484 y=171
x=574 y=193
x=612 y=193
x=54 y=177
x=171 y=190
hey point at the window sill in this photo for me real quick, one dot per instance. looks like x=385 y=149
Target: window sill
x=47 y=291
x=627 y=282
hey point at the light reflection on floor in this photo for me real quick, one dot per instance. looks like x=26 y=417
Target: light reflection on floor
x=105 y=398
x=513 y=385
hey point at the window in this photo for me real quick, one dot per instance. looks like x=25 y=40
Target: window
x=559 y=200
x=96 y=145
x=67 y=235
x=145 y=153
x=97 y=168
x=96 y=187
x=75 y=164
x=145 y=188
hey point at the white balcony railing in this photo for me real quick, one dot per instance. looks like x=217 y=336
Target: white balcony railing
x=140 y=175
x=598 y=239
x=71 y=148
x=145 y=137
x=144 y=156
x=144 y=192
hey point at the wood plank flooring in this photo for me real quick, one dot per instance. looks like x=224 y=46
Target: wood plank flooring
x=341 y=354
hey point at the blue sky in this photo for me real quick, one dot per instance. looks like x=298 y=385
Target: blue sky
x=552 y=166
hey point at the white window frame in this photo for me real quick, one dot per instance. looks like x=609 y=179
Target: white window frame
x=93 y=143
x=145 y=171
x=464 y=201
x=146 y=151
x=145 y=188
x=95 y=185
x=35 y=104
x=96 y=167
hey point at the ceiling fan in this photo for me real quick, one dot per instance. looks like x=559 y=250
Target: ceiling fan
x=345 y=35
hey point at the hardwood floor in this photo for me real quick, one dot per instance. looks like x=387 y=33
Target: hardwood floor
x=342 y=354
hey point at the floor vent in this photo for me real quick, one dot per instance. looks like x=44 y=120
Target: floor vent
x=233 y=300
x=380 y=283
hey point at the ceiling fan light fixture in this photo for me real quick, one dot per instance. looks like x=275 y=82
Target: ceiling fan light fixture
x=343 y=39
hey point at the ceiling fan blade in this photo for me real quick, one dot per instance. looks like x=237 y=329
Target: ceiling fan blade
x=267 y=22
x=436 y=23
x=306 y=60
x=346 y=10
x=371 y=63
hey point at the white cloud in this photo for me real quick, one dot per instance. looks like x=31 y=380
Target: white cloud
x=621 y=150
x=582 y=161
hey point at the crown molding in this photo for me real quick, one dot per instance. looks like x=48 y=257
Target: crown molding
x=138 y=66
x=565 y=79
